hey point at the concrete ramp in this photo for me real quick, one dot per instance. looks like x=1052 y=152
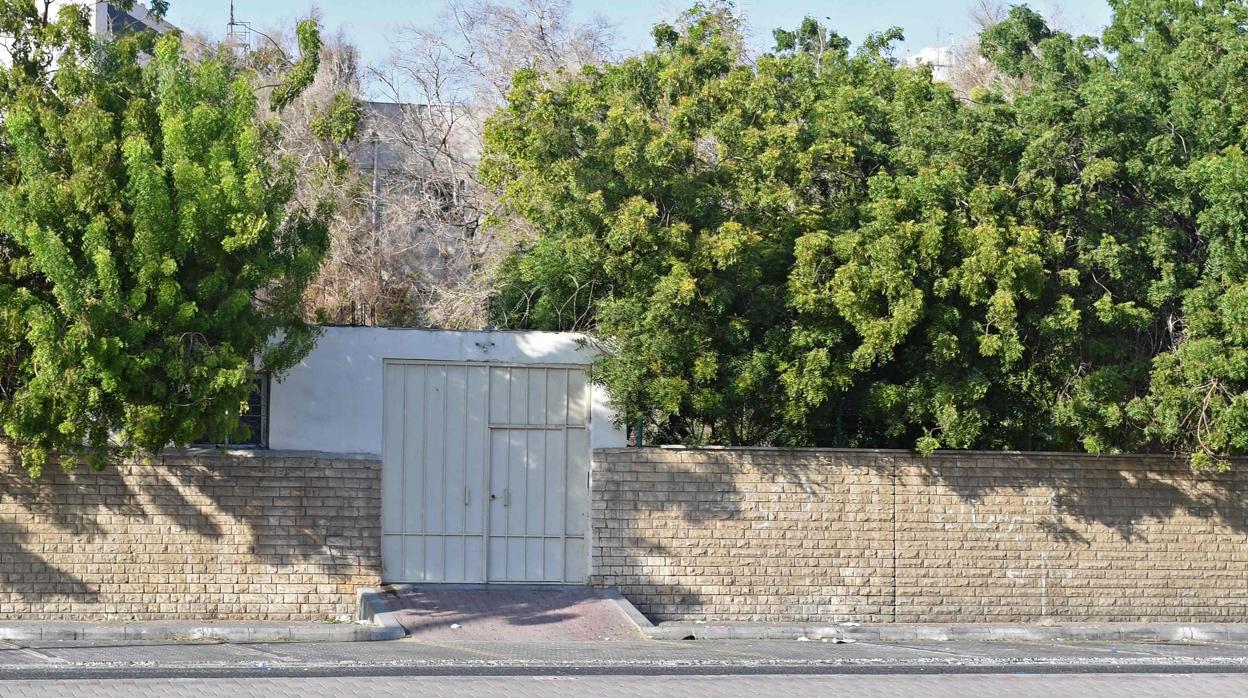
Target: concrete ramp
x=442 y=612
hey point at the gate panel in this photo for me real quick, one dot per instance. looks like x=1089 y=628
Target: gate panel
x=485 y=473
x=528 y=506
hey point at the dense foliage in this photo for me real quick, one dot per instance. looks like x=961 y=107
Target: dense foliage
x=822 y=247
x=147 y=253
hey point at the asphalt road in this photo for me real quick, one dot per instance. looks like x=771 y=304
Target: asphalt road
x=859 y=686
x=152 y=660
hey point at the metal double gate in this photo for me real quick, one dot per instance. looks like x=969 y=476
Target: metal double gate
x=485 y=473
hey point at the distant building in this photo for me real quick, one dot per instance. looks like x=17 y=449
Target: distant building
x=105 y=19
x=942 y=60
x=108 y=19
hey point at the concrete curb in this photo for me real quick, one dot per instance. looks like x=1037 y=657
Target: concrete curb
x=191 y=630
x=911 y=632
x=644 y=626
x=929 y=632
x=381 y=626
x=386 y=624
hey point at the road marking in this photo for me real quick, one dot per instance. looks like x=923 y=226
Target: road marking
x=694 y=645
x=51 y=659
x=271 y=653
x=456 y=647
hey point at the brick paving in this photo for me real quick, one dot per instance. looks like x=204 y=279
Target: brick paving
x=442 y=613
x=932 y=686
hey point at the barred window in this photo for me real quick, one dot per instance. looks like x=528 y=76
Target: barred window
x=255 y=419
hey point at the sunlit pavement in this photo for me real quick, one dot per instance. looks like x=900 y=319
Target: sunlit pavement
x=935 y=686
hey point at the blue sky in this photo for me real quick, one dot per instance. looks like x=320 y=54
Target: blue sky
x=371 y=22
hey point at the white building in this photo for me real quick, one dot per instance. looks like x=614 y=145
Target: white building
x=485 y=440
x=335 y=400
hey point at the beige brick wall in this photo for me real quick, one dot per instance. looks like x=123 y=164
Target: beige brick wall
x=992 y=537
x=267 y=536
x=837 y=535
x=740 y=535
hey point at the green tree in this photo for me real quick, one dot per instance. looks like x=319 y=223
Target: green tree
x=149 y=261
x=821 y=246
x=670 y=191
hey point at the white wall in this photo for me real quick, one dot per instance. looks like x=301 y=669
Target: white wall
x=332 y=400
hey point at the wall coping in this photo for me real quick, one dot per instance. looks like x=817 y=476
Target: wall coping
x=259 y=454
x=943 y=453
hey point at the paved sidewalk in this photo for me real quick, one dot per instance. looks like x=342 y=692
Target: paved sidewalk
x=442 y=612
x=926 y=632
x=882 y=686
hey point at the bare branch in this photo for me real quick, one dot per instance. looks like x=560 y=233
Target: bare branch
x=422 y=253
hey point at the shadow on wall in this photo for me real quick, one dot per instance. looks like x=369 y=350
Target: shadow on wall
x=700 y=528
x=24 y=571
x=197 y=512
x=1117 y=492
x=657 y=594
x=699 y=525
x=30 y=577
x=1120 y=493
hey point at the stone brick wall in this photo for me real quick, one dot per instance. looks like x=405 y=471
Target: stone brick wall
x=194 y=535
x=839 y=535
